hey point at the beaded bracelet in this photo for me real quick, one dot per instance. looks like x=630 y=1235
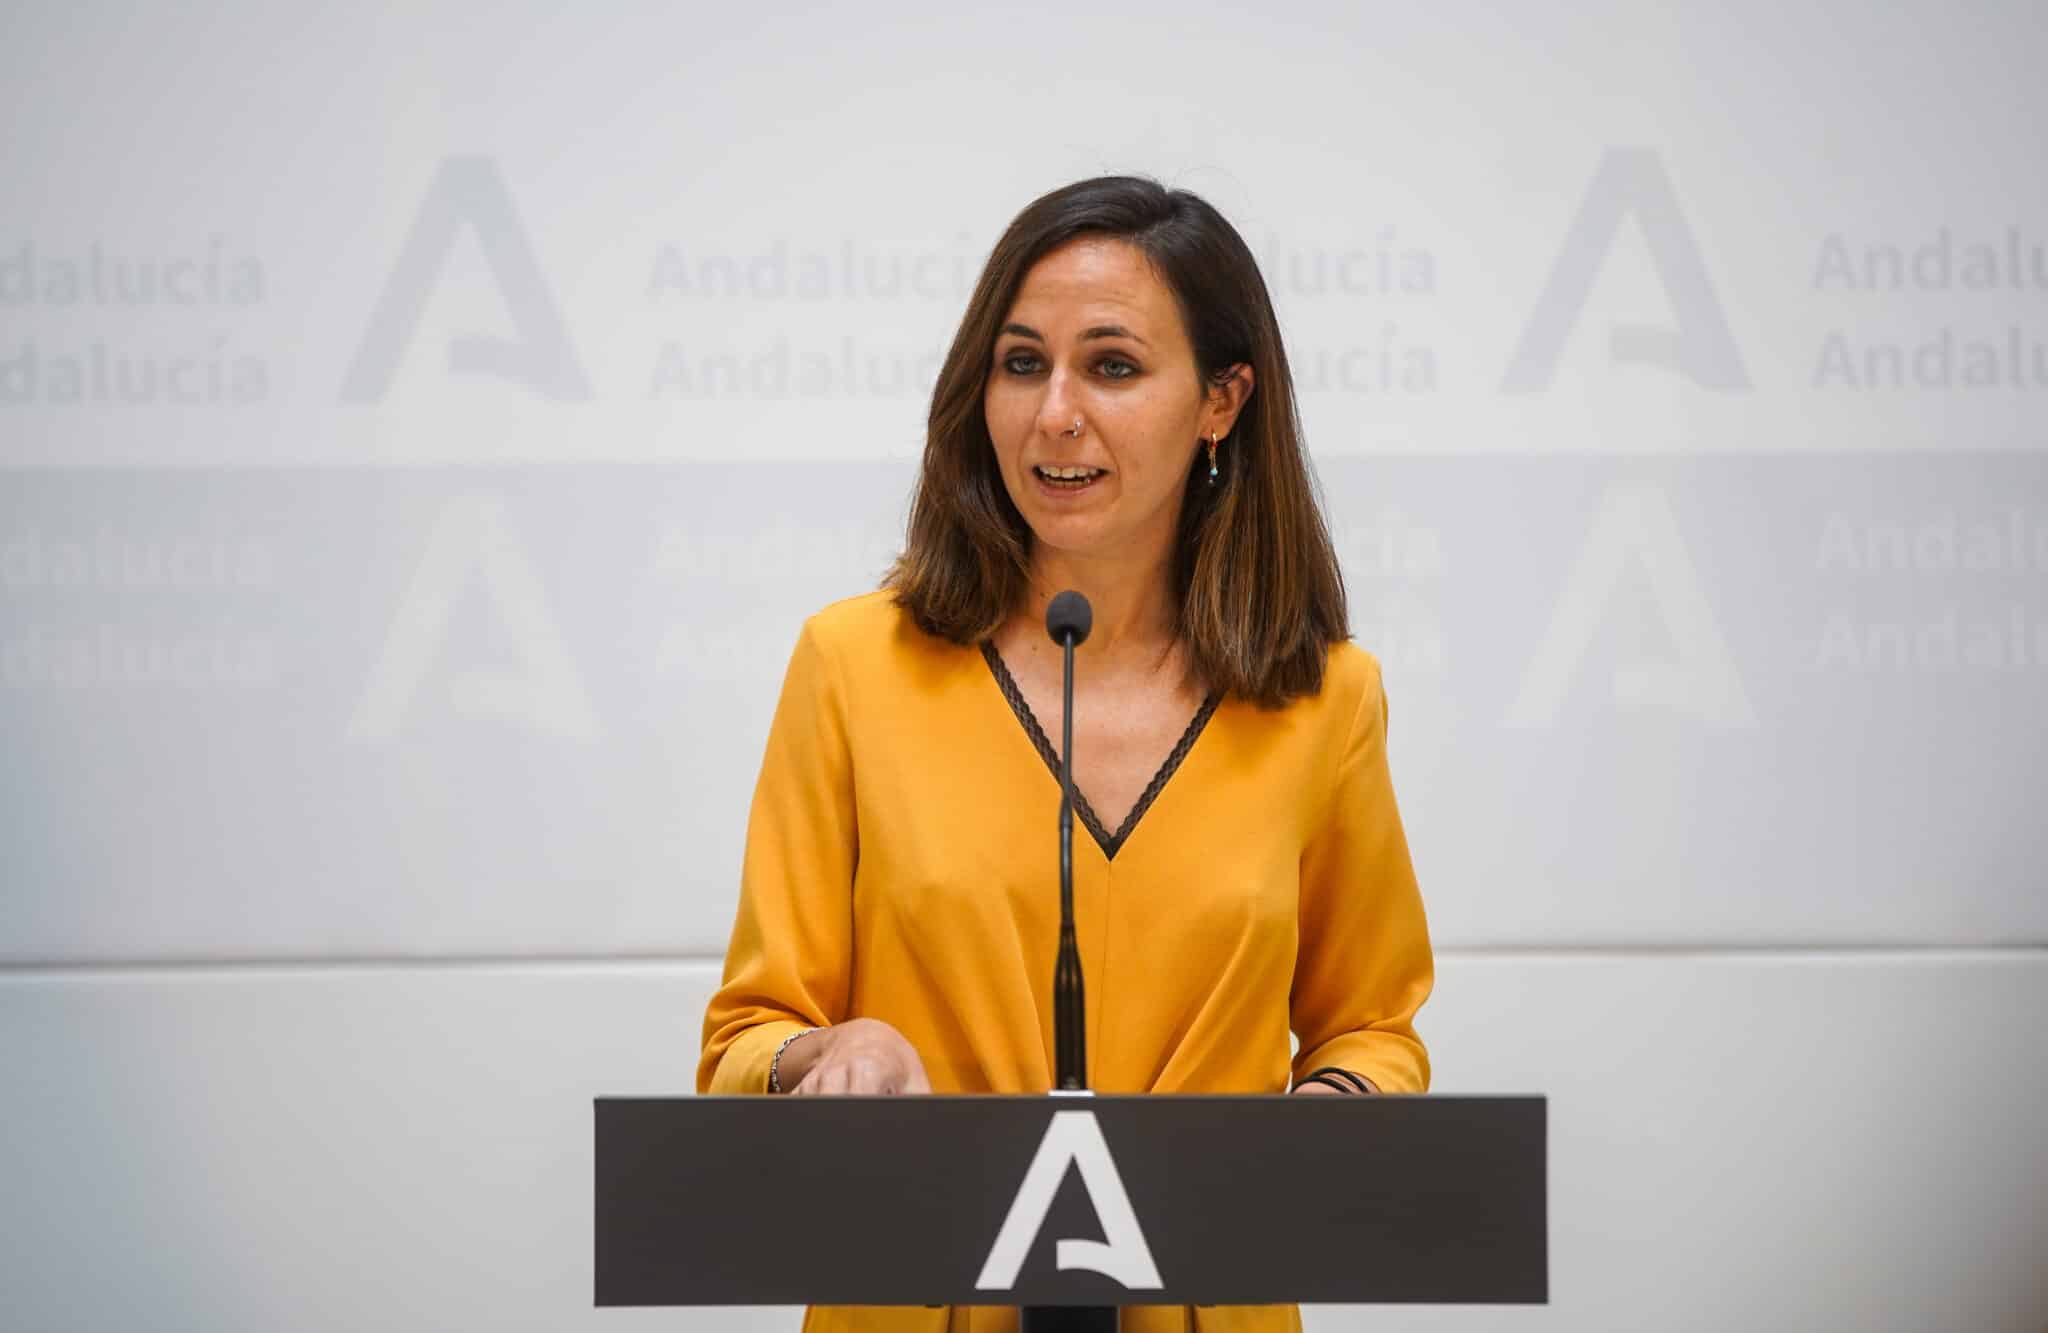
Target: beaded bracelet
x=1333 y=1077
x=775 y=1065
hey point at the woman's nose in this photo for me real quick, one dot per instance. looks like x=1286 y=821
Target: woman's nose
x=1056 y=411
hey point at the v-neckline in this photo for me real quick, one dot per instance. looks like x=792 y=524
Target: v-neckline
x=1107 y=841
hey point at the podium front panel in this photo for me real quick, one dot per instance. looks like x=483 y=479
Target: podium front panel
x=1131 y=1200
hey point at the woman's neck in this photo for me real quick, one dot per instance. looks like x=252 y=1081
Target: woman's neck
x=1132 y=621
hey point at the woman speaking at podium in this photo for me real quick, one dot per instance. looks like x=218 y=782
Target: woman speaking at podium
x=1115 y=416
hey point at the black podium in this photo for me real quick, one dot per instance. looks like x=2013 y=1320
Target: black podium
x=1070 y=1200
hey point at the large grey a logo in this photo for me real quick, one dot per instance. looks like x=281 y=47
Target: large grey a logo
x=473 y=537
x=469 y=190
x=1635 y=527
x=1631 y=180
x=1073 y=1138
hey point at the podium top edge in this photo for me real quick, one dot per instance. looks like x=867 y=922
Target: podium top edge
x=1054 y=1097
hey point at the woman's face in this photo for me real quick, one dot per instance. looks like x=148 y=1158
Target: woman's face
x=1095 y=338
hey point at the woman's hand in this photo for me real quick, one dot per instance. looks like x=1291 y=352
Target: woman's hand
x=862 y=1056
x=1315 y=1088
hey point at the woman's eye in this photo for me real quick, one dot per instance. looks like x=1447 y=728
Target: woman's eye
x=1028 y=363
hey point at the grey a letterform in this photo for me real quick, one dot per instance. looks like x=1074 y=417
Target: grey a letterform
x=1073 y=1138
x=469 y=191
x=1635 y=532
x=1631 y=181
x=472 y=541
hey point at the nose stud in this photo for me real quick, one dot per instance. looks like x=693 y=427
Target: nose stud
x=1076 y=431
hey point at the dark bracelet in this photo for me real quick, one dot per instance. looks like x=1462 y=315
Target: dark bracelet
x=1332 y=1076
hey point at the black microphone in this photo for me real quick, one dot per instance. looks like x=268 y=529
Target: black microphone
x=1069 y=616
x=1068 y=621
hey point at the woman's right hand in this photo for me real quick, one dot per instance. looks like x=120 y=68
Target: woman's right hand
x=860 y=1056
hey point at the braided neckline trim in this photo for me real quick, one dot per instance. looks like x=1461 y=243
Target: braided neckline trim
x=1107 y=841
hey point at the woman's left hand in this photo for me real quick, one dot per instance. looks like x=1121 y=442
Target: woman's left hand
x=1314 y=1088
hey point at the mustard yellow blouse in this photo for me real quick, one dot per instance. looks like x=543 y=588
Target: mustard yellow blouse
x=901 y=864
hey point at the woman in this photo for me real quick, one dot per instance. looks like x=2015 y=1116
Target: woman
x=1115 y=416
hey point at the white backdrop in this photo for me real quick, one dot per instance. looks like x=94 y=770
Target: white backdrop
x=423 y=430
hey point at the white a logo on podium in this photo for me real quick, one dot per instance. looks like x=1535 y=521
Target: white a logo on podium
x=1073 y=1138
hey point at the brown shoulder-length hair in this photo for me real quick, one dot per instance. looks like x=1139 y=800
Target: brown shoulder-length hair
x=1257 y=593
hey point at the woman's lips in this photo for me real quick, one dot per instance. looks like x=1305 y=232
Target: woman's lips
x=1062 y=489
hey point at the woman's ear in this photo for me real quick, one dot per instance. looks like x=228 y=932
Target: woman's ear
x=1228 y=394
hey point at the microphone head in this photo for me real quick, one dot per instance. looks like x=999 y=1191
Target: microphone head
x=1069 y=614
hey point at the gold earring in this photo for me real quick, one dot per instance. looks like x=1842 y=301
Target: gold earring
x=1212 y=458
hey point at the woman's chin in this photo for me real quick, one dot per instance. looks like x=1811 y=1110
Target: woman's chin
x=1072 y=536
x=1075 y=519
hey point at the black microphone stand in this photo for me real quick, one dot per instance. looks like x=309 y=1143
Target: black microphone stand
x=1067 y=620
x=1070 y=1008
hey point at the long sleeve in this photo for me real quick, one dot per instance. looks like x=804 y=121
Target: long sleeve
x=1364 y=966
x=789 y=965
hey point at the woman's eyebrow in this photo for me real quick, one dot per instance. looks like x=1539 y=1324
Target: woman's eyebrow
x=1099 y=331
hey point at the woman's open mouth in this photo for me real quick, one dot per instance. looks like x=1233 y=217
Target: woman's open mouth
x=1066 y=480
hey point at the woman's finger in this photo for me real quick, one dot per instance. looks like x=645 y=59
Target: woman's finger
x=865 y=1074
